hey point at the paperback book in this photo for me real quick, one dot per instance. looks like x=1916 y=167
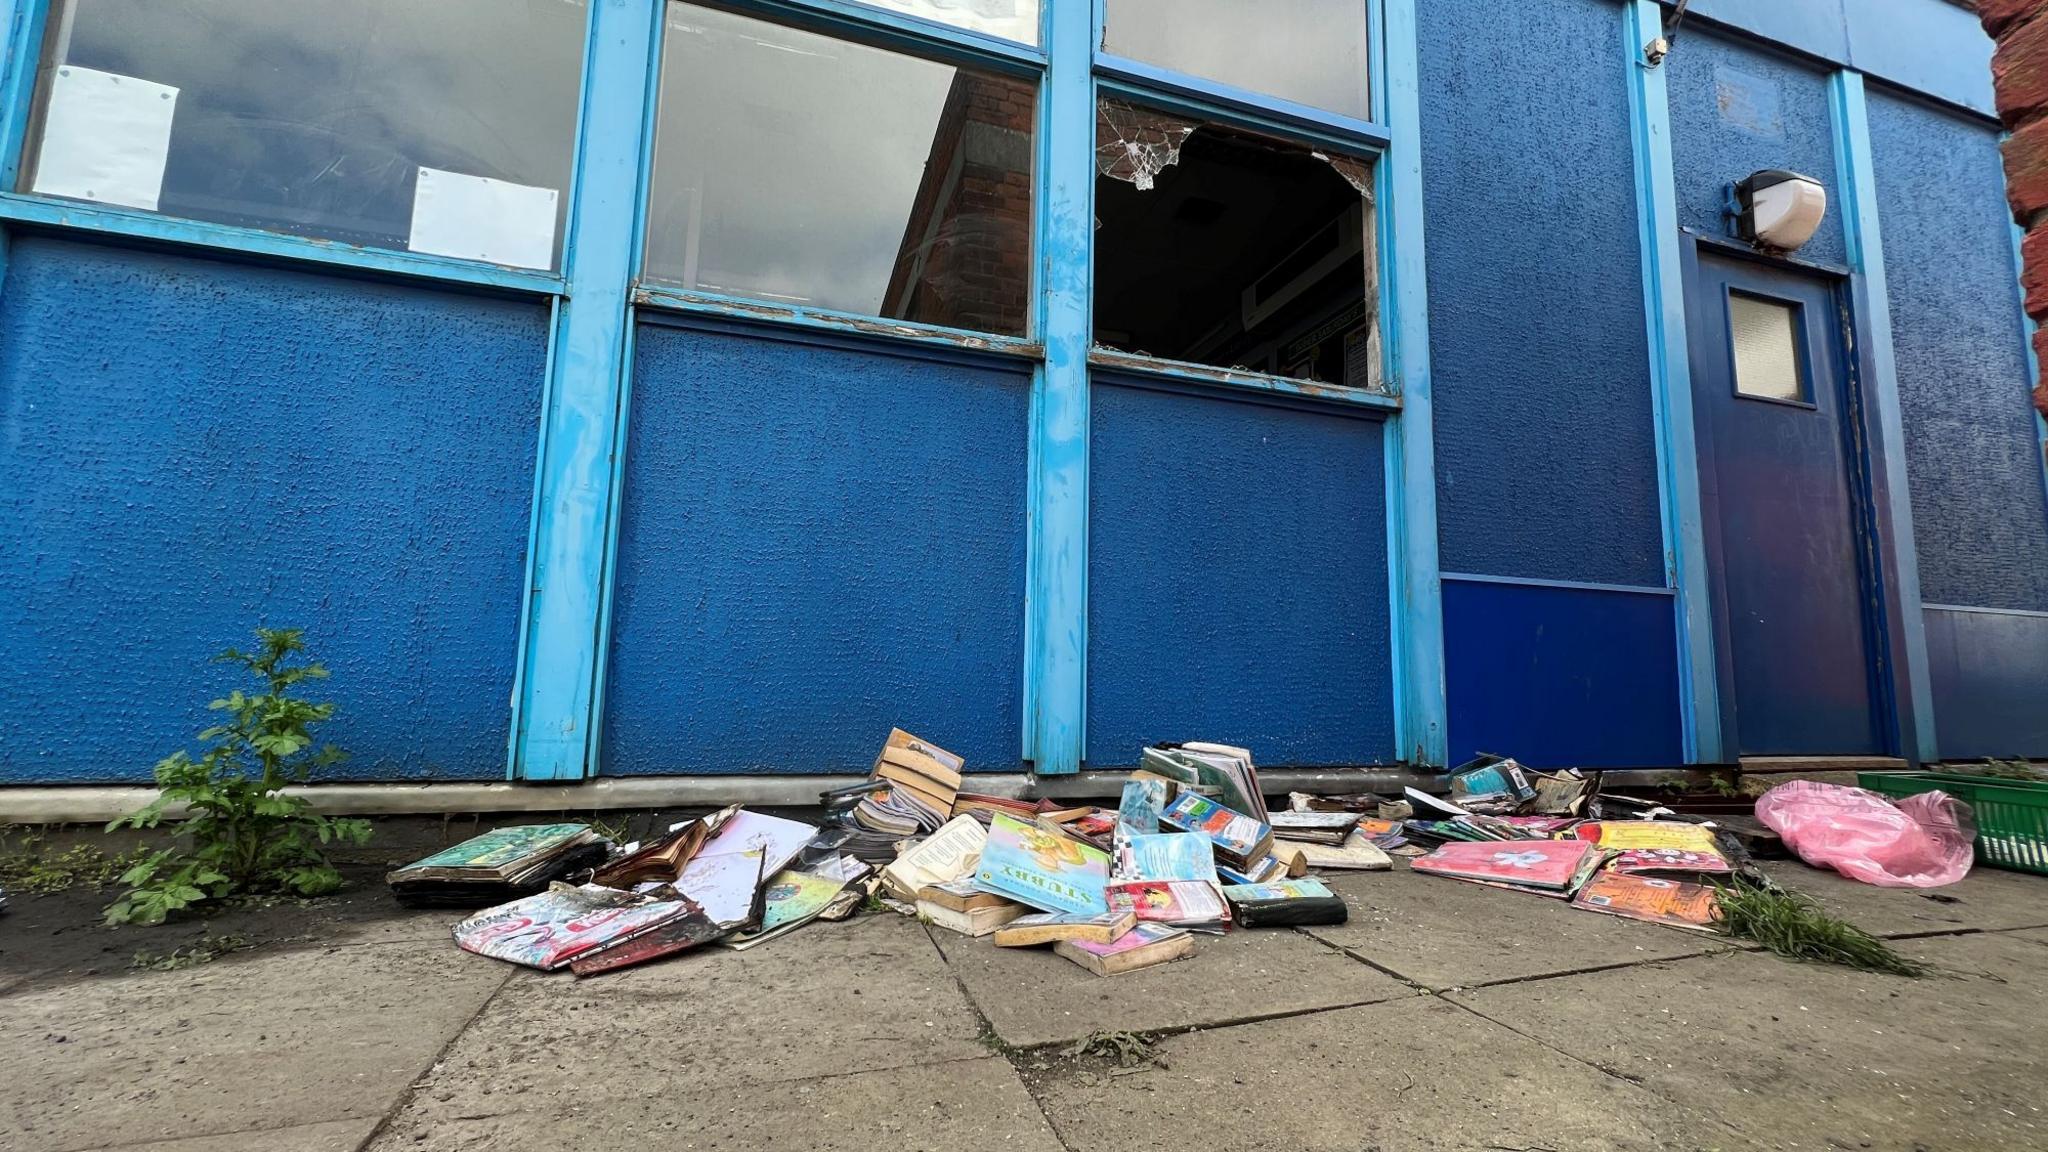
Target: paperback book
x=1141 y=947
x=1239 y=839
x=1039 y=867
x=1182 y=903
x=1052 y=927
x=1554 y=867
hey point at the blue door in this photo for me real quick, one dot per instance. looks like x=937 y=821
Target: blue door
x=1781 y=484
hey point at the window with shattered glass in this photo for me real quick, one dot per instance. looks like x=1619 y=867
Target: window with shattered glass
x=806 y=171
x=1233 y=249
x=445 y=128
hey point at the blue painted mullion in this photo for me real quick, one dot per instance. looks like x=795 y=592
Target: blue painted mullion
x=1857 y=175
x=896 y=30
x=1685 y=561
x=1413 y=564
x=1056 y=568
x=556 y=715
x=21 y=23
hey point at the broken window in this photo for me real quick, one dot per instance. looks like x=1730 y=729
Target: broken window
x=446 y=128
x=1313 y=52
x=1233 y=249
x=802 y=170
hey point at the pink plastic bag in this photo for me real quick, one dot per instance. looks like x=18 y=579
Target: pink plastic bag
x=1923 y=841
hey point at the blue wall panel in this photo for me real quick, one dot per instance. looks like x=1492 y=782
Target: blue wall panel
x=1737 y=109
x=1546 y=457
x=1972 y=456
x=190 y=448
x=1237 y=579
x=1562 y=677
x=817 y=543
x=1990 y=677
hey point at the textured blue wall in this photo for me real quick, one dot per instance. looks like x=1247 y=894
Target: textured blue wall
x=1989 y=671
x=817 y=544
x=1546 y=456
x=1972 y=456
x=1737 y=109
x=1562 y=677
x=190 y=448
x=1237 y=580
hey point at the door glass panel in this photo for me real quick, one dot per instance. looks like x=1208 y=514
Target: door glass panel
x=1766 y=338
x=1312 y=52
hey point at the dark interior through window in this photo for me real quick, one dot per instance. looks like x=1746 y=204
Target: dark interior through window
x=1232 y=249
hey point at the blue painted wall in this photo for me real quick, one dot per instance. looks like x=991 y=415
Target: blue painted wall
x=1562 y=677
x=189 y=448
x=817 y=543
x=1990 y=676
x=1738 y=109
x=1237 y=579
x=1936 y=46
x=1546 y=457
x=1973 y=458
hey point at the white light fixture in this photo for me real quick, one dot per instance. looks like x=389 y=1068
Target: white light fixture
x=1779 y=210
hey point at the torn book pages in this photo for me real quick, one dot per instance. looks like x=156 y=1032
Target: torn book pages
x=106 y=138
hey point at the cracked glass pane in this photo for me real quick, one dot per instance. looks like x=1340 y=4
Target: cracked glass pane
x=809 y=172
x=1232 y=249
x=318 y=119
x=1312 y=52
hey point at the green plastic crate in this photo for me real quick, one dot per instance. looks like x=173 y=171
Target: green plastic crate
x=2012 y=815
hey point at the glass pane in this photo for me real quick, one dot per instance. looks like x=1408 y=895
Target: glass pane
x=1766 y=338
x=1010 y=19
x=443 y=127
x=1232 y=249
x=1312 y=52
x=808 y=171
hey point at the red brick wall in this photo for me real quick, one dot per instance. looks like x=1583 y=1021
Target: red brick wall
x=2020 y=69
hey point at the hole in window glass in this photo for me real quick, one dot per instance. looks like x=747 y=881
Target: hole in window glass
x=445 y=127
x=1232 y=249
x=1312 y=52
x=1766 y=338
x=811 y=172
x=1010 y=19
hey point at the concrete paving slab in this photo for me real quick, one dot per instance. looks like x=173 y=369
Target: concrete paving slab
x=268 y=1039
x=1816 y=1056
x=831 y=998
x=2036 y=935
x=333 y=1136
x=1445 y=933
x=976 y=1104
x=1417 y=1074
x=1033 y=996
x=1987 y=898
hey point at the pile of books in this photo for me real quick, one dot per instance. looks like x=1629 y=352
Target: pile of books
x=1642 y=870
x=915 y=782
x=733 y=877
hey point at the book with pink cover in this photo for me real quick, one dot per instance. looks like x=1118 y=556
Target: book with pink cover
x=1131 y=941
x=1183 y=903
x=1550 y=865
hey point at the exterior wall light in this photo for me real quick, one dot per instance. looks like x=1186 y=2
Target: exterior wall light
x=1778 y=210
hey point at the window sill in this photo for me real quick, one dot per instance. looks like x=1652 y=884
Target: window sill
x=1181 y=371
x=817 y=319
x=62 y=216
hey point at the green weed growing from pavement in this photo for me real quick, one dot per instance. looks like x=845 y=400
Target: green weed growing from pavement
x=1793 y=926
x=242 y=834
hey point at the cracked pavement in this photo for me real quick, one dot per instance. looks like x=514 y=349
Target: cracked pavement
x=1443 y=1016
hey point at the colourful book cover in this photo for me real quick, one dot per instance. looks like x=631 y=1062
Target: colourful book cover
x=1041 y=868
x=1234 y=832
x=501 y=847
x=1170 y=901
x=1624 y=835
x=1668 y=860
x=1674 y=903
x=1304 y=889
x=549 y=930
x=1143 y=801
x=1137 y=937
x=1523 y=863
x=1165 y=856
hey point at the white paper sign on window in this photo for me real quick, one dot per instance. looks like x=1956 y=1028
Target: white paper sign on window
x=105 y=138
x=477 y=218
